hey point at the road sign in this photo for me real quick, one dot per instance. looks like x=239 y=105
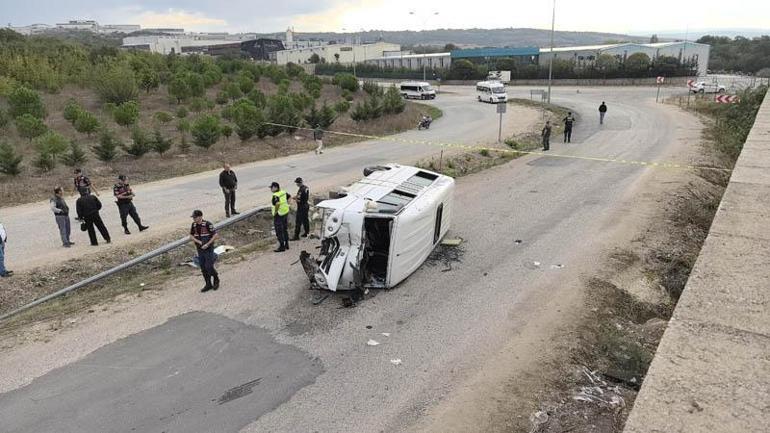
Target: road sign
x=502 y=107
x=727 y=99
x=690 y=83
x=660 y=80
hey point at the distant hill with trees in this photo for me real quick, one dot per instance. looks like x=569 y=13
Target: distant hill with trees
x=739 y=54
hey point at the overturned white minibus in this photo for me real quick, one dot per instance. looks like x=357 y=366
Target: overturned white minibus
x=381 y=230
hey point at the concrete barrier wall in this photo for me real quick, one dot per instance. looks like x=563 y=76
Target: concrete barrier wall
x=711 y=372
x=676 y=81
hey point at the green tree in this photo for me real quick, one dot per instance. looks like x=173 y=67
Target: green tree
x=393 y=103
x=179 y=88
x=86 y=123
x=50 y=146
x=245 y=83
x=637 y=62
x=160 y=144
x=75 y=157
x=314 y=59
x=196 y=84
x=148 y=79
x=372 y=88
x=247 y=118
x=346 y=82
x=198 y=104
x=222 y=98
x=107 y=149
x=10 y=161
x=183 y=126
x=463 y=69
x=206 y=131
x=72 y=110
x=654 y=39
x=181 y=112
x=23 y=101
x=140 y=143
x=258 y=98
x=607 y=63
x=281 y=110
x=227 y=131
x=126 y=114
x=342 y=106
x=30 y=126
x=232 y=90
x=117 y=85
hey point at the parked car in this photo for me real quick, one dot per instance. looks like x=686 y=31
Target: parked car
x=704 y=87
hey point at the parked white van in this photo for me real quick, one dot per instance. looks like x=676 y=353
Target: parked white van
x=491 y=91
x=418 y=90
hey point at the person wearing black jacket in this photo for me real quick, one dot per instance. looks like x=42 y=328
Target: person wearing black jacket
x=229 y=183
x=88 y=207
x=303 y=209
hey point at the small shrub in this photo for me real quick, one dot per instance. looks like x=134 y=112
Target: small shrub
x=30 y=126
x=342 y=106
x=222 y=98
x=117 y=85
x=140 y=143
x=206 y=131
x=484 y=153
x=392 y=102
x=72 y=110
x=23 y=101
x=52 y=143
x=198 y=104
x=163 y=117
x=10 y=161
x=5 y=119
x=45 y=162
x=258 y=98
x=75 y=157
x=232 y=90
x=108 y=145
x=347 y=95
x=227 y=131
x=247 y=118
x=184 y=145
x=372 y=88
x=86 y=123
x=181 y=112
x=245 y=83
x=126 y=114
x=159 y=143
x=346 y=82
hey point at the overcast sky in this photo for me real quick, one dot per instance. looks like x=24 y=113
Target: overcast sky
x=264 y=16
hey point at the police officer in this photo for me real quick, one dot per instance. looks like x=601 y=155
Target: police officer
x=82 y=183
x=303 y=209
x=204 y=234
x=88 y=207
x=125 y=201
x=280 y=212
x=568 y=122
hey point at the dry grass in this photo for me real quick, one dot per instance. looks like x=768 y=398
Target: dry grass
x=34 y=185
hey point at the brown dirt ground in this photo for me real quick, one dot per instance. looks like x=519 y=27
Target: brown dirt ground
x=34 y=185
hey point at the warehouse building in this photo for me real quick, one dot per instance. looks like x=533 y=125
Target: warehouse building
x=523 y=56
x=693 y=52
x=337 y=53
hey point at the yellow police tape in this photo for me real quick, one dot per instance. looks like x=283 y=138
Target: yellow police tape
x=521 y=152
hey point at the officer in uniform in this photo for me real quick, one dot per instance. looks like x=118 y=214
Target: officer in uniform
x=303 y=209
x=280 y=211
x=88 y=207
x=83 y=183
x=125 y=201
x=204 y=234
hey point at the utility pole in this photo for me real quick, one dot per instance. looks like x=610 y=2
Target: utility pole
x=550 y=62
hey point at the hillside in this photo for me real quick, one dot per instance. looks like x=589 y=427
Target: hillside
x=510 y=37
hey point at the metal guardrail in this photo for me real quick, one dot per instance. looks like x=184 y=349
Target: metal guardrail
x=131 y=263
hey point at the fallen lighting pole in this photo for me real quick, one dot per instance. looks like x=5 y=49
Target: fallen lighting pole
x=131 y=263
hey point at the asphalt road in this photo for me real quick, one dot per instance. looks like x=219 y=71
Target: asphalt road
x=166 y=205
x=443 y=321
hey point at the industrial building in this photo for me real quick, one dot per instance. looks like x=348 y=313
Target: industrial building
x=527 y=55
x=337 y=53
x=585 y=55
x=257 y=49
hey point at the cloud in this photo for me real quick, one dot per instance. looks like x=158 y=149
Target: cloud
x=178 y=18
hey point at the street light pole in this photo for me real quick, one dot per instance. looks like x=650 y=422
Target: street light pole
x=550 y=62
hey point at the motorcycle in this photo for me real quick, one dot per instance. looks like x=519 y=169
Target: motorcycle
x=424 y=123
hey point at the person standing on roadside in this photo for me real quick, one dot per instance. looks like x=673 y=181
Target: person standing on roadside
x=546 y=134
x=318 y=136
x=303 y=209
x=280 y=210
x=3 y=240
x=88 y=207
x=125 y=201
x=61 y=213
x=602 y=112
x=203 y=234
x=229 y=183
x=568 y=122
x=82 y=183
